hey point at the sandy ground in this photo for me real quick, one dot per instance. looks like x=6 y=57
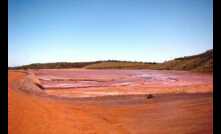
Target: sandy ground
x=163 y=114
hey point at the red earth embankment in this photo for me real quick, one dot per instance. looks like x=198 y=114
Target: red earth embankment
x=163 y=114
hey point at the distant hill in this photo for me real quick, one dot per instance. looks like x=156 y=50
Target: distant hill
x=200 y=63
x=55 y=65
x=120 y=65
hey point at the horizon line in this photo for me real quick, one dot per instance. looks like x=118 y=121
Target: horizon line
x=111 y=60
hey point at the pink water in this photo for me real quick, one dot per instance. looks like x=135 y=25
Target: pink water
x=110 y=78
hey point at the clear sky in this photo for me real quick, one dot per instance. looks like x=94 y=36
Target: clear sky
x=89 y=30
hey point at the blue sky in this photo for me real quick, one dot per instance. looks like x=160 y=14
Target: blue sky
x=89 y=30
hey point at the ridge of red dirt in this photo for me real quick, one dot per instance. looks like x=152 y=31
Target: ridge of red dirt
x=164 y=114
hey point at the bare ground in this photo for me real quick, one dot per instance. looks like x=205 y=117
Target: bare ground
x=162 y=114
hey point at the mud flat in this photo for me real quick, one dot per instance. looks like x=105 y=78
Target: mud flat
x=168 y=113
x=92 y=83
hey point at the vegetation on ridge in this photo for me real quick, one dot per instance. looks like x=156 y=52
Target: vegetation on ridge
x=200 y=63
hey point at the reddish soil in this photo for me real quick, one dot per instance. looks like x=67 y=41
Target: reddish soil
x=135 y=114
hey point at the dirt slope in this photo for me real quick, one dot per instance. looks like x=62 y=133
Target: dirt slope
x=168 y=114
